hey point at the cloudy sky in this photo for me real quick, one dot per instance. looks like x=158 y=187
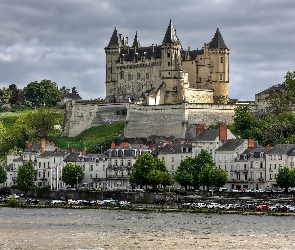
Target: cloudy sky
x=64 y=40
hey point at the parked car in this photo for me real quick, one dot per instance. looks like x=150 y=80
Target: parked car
x=125 y=203
x=159 y=201
x=57 y=202
x=32 y=201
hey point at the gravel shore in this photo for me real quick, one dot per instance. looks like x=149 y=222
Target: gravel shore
x=57 y=228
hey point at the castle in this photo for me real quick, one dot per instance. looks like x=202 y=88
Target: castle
x=166 y=73
x=167 y=90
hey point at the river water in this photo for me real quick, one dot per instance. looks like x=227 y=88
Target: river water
x=54 y=228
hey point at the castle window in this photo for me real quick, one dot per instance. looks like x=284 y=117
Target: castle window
x=129 y=77
x=147 y=75
x=221 y=59
x=122 y=75
x=168 y=54
x=159 y=73
x=168 y=63
x=220 y=76
x=138 y=76
x=168 y=73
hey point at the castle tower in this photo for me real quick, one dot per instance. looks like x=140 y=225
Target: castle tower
x=219 y=59
x=112 y=56
x=171 y=67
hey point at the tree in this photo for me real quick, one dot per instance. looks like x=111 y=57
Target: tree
x=217 y=177
x=184 y=174
x=25 y=177
x=286 y=178
x=72 y=174
x=44 y=93
x=146 y=171
x=289 y=84
x=3 y=175
x=244 y=121
x=64 y=90
x=204 y=175
x=157 y=177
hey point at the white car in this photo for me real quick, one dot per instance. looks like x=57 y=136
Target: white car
x=57 y=202
x=125 y=203
x=213 y=205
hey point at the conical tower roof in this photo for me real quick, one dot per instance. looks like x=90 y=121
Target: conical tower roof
x=170 y=36
x=136 y=43
x=217 y=41
x=115 y=39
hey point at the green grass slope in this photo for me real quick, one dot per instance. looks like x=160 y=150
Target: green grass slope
x=90 y=137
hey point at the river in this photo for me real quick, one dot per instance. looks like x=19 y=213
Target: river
x=57 y=228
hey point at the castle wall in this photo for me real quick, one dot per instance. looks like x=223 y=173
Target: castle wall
x=81 y=115
x=176 y=120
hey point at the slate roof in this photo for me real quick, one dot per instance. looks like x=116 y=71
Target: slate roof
x=231 y=145
x=60 y=153
x=273 y=89
x=281 y=149
x=175 y=148
x=72 y=96
x=170 y=36
x=115 y=39
x=36 y=147
x=253 y=152
x=207 y=135
x=72 y=157
x=217 y=41
x=136 y=41
x=9 y=167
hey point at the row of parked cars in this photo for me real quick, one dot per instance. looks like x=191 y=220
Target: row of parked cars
x=106 y=202
x=256 y=207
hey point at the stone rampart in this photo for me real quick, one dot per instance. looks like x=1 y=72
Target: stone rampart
x=81 y=115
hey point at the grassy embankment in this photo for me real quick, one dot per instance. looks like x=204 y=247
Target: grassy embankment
x=86 y=139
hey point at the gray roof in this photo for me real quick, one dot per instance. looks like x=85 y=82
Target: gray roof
x=54 y=153
x=231 y=145
x=170 y=36
x=282 y=149
x=217 y=41
x=36 y=147
x=9 y=167
x=207 y=135
x=115 y=39
x=273 y=89
x=175 y=149
x=72 y=157
x=73 y=96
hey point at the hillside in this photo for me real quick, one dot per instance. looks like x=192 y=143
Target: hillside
x=90 y=137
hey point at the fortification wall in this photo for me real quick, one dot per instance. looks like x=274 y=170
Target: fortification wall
x=162 y=120
x=81 y=115
x=176 y=120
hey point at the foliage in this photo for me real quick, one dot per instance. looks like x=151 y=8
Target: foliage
x=3 y=175
x=184 y=174
x=286 y=178
x=72 y=174
x=217 y=177
x=147 y=171
x=44 y=93
x=25 y=177
x=13 y=202
x=244 y=121
x=204 y=175
x=289 y=84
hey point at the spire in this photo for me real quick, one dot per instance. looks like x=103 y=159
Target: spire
x=217 y=41
x=136 y=43
x=170 y=36
x=115 y=39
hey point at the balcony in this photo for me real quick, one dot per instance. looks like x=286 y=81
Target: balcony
x=245 y=171
x=261 y=179
x=237 y=171
x=97 y=179
x=251 y=179
x=43 y=179
x=14 y=178
x=292 y=164
x=233 y=180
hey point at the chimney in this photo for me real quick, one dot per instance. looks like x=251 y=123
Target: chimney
x=125 y=145
x=29 y=144
x=200 y=128
x=52 y=143
x=268 y=147
x=152 y=146
x=251 y=143
x=83 y=152
x=121 y=144
x=177 y=142
x=222 y=132
x=42 y=145
x=113 y=144
x=140 y=146
x=71 y=150
x=56 y=150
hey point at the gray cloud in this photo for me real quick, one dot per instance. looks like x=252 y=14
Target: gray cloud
x=64 y=40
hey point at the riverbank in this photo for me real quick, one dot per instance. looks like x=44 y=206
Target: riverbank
x=118 y=229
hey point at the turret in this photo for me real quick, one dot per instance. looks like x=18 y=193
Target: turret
x=218 y=53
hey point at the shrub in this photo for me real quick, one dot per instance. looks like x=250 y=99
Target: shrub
x=13 y=202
